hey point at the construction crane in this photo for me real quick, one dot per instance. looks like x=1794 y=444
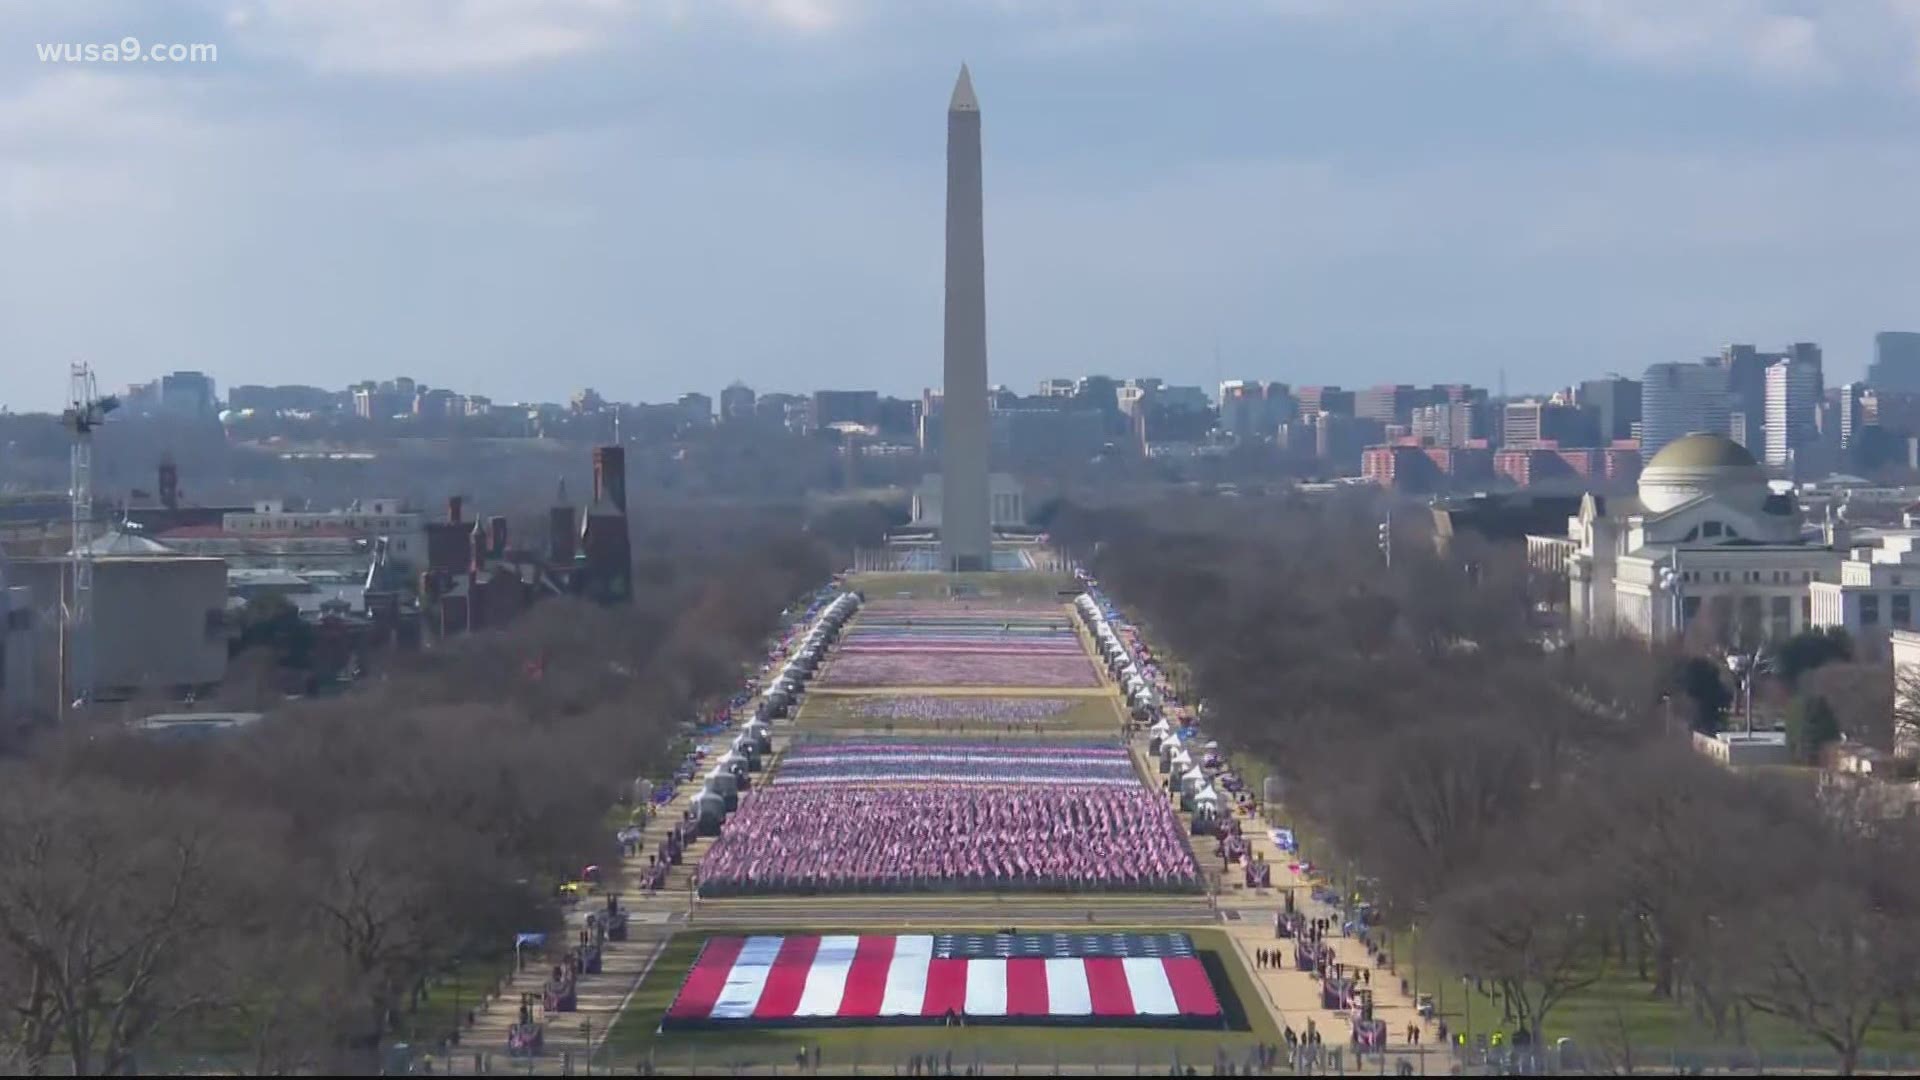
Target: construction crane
x=86 y=411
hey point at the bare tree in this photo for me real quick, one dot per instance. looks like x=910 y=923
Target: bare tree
x=1528 y=930
x=105 y=896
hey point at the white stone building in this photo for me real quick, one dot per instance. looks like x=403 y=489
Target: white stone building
x=1707 y=538
x=1876 y=593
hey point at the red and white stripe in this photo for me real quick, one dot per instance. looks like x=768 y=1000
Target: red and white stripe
x=770 y=978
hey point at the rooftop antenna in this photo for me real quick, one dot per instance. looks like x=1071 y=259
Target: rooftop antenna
x=86 y=410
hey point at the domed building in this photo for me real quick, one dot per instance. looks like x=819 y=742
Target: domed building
x=1707 y=537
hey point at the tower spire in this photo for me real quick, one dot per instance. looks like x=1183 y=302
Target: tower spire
x=963 y=99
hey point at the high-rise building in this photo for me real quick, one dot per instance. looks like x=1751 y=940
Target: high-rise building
x=1677 y=399
x=1614 y=403
x=1251 y=410
x=1520 y=424
x=698 y=407
x=848 y=407
x=188 y=393
x=1451 y=424
x=1058 y=387
x=1313 y=400
x=1390 y=404
x=1852 y=419
x=1746 y=369
x=966 y=531
x=1794 y=395
x=1896 y=361
x=736 y=403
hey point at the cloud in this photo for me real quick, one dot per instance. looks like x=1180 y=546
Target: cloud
x=83 y=138
x=1769 y=37
x=424 y=37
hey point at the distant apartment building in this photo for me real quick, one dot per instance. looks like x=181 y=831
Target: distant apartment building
x=1896 y=361
x=845 y=407
x=697 y=407
x=1029 y=433
x=283 y=399
x=1794 y=395
x=1614 y=403
x=1386 y=404
x=365 y=519
x=382 y=401
x=1534 y=422
x=1403 y=468
x=188 y=394
x=1251 y=410
x=1678 y=399
x=791 y=411
x=1453 y=424
x=736 y=403
x=1312 y=400
x=1064 y=388
x=436 y=404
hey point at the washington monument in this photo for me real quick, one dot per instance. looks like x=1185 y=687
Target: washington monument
x=966 y=534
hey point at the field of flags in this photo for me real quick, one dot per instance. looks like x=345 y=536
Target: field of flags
x=939 y=812
x=904 y=643
x=775 y=980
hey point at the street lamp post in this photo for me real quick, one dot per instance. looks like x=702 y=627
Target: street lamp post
x=1467 y=992
x=1744 y=666
x=1671 y=580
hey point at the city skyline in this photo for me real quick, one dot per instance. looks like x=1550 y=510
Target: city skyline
x=492 y=195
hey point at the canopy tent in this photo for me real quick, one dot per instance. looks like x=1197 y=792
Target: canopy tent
x=748 y=748
x=709 y=810
x=716 y=788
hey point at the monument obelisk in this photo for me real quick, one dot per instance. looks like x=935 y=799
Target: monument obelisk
x=966 y=534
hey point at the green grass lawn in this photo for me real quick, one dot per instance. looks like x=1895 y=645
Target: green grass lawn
x=1617 y=1009
x=1003 y=584
x=1620 y=1010
x=1095 y=714
x=635 y=1035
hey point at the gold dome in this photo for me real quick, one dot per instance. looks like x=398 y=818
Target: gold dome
x=1702 y=450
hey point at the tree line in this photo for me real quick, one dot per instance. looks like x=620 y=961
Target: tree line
x=279 y=896
x=1535 y=811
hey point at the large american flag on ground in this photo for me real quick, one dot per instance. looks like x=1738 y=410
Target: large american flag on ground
x=798 y=978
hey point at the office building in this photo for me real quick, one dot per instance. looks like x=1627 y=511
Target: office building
x=1453 y=424
x=1679 y=399
x=736 y=403
x=698 y=408
x=1312 y=400
x=1386 y=404
x=1896 y=361
x=1794 y=394
x=846 y=407
x=1614 y=403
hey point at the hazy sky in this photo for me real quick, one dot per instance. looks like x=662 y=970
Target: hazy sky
x=652 y=196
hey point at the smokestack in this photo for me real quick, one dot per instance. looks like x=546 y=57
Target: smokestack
x=453 y=509
x=497 y=528
x=610 y=476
